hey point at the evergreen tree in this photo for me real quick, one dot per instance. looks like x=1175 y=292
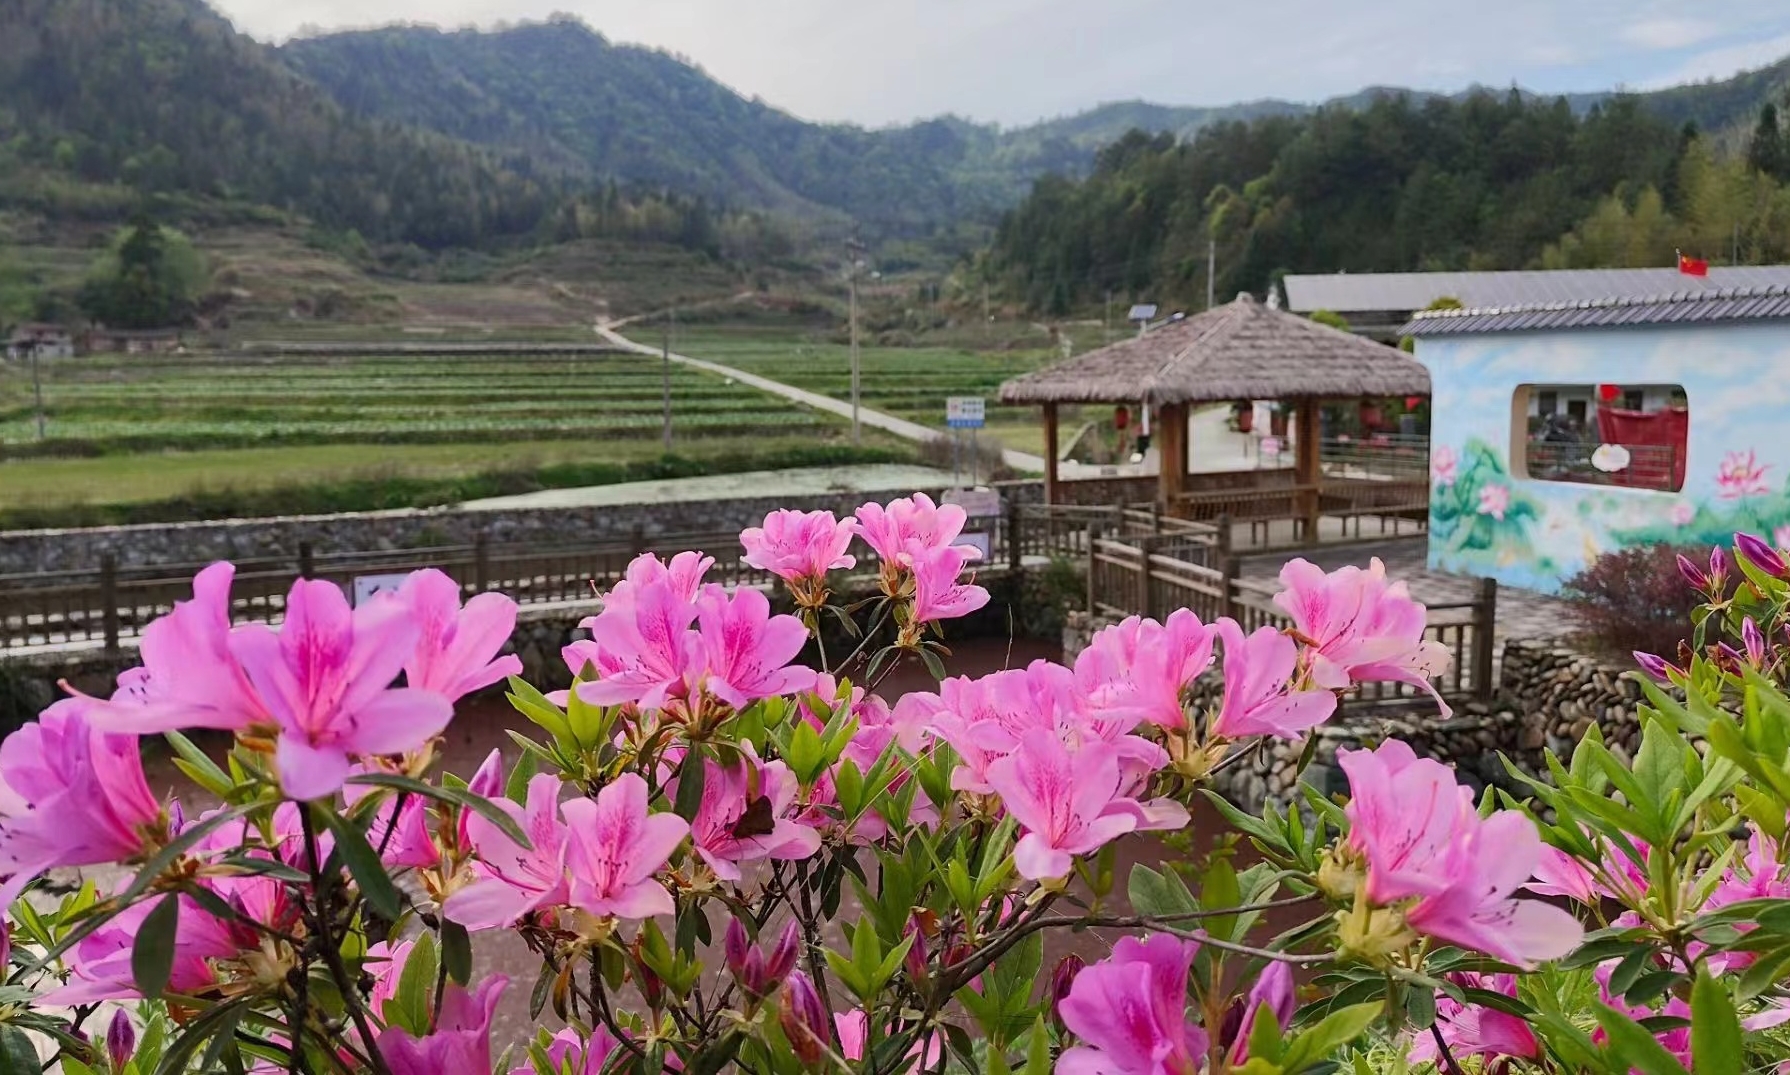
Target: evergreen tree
x=1765 y=153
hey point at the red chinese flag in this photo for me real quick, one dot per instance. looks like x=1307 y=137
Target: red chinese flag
x=1690 y=266
x=1609 y=393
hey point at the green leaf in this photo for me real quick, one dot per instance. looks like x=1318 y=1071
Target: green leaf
x=17 y=1057
x=692 y=778
x=411 y=1006
x=515 y=788
x=534 y=705
x=466 y=800
x=363 y=864
x=1634 y=1046
x=1156 y=895
x=202 y=769
x=152 y=953
x=1337 y=1029
x=456 y=951
x=1715 y=1029
x=181 y=1050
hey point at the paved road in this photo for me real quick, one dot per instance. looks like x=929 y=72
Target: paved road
x=901 y=427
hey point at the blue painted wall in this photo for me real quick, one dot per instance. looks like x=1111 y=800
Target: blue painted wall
x=1536 y=534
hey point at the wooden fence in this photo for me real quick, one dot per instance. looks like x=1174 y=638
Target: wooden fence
x=1149 y=577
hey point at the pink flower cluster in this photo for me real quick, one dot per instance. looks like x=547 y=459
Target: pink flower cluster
x=1422 y=841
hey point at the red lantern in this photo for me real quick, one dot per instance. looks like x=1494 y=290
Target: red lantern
x=1121 y=417
x=1413 y=402
x=1609 y=393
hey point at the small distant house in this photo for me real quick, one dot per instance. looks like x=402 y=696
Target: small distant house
x=135 y=341
x=1567 y=430
x=1376 y=303
x=45 y=341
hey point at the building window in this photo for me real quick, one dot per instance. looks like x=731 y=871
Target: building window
x=1628 y=435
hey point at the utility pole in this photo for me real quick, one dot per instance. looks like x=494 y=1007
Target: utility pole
x=1211 y=270
x=854 y=262
x=665 y=378
x=37 y=388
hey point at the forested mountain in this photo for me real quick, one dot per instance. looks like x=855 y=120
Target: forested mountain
x=1488 y=181
x=101 y=100
x=548 y=131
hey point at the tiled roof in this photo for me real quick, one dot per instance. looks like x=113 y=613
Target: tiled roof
x=1672 y=308
x=1404 y=291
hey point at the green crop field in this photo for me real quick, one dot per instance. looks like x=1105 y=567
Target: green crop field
x=210 y=434
x=911 y=382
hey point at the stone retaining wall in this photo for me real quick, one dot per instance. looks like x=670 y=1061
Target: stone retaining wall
x=27 y=551
x=1563 y=691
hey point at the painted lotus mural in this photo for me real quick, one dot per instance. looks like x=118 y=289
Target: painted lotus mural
x=1524 y=531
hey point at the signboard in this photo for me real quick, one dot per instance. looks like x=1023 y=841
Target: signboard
x=978 y=539
x=965 y=412
x=976 y=503
x=367 y=586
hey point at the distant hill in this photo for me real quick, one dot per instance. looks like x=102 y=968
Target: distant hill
x=449 y=139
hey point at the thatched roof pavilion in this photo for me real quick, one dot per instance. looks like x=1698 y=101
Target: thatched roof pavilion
x=1239 y=351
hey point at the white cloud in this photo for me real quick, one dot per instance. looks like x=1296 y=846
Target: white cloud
x=1668 y=33
x=1016 y=61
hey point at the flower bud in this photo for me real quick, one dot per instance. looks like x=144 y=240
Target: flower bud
x=783 y=957
x=5 y=947
x=1728 y=658
x=1655 y=666
x=1061 y=980
x=1754 y=642
x=734 y=946
x=1760 y=555
x=1693 y=574
x=804 y=1020
x=915 y=959
x=1718 y=568
x=121 y=1040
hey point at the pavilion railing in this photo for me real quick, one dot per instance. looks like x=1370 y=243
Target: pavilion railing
x=1136 y=577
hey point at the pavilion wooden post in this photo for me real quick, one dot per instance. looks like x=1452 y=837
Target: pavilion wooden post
x=1305 y=466
x=1171 y=444
x=1050 y=453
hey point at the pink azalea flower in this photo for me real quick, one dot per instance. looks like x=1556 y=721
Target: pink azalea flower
x=1471 y=1030
x=853 y=1028
x=647 y=635
x=70 y=795
x=1062 y=799
x=1443 y=465
x=385 y=962
x=937 y=593
x=461 y=1043
x=1361 y=627
x=1258 y=699
x=613 y=849
x=1421 y=837
x=1145 y=668
x=799 y=546
x=1476 y=910
x=326 y=678
x=1494 y=500
x=1404 y=813
x=457 y=651
x=1741 y=475
x=1273 y=990
x=1676 y=1041
x=1559 y=874
x=728 y=792
x=747 y=650
x=682 y=577
x=570 y=1052
x=910 y=525
x=983 y=719
x=190 y=677
x=515 y=881
x=1130 y=1012
x=414 y=842
x=100 y=963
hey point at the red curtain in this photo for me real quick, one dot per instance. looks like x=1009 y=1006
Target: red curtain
x=1659 y=436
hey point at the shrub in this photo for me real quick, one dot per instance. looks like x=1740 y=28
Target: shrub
x=1633 y=599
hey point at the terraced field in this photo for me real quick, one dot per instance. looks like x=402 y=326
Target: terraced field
x=912 y=382
x=106 y=405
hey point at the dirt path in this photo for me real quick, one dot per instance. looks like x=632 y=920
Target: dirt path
x=901 y=427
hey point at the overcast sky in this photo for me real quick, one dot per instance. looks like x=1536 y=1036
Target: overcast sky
x=1015 y=61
